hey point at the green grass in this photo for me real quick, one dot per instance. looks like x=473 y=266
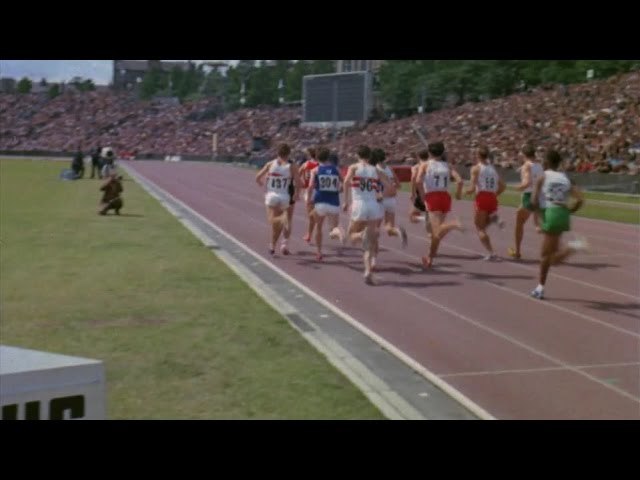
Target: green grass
x=181 y=336
x=623 y=213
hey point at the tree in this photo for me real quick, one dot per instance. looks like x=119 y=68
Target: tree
x=88 y=85
x=402 y=81
x=293 y=81
x=82 y=85
x=24 y=85
x=54 y=90
x=43 y=82
x=214 y=84
x=397 y=80
x=154 y=82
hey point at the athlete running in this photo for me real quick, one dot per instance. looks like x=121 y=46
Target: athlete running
x=418 y=211
x=281 y=175
x=530 y=172
x=362 y=182
x=305 y=173
x=551 y=194
x=487 y=185
x=323 y=195
x=378 y=157
x=433 y=185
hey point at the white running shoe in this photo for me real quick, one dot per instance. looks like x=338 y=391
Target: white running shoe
x=537 y=294
x=580 y=244
x=368 y=278
x=338 y=234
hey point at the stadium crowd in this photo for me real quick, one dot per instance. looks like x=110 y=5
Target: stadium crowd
x=596 y=126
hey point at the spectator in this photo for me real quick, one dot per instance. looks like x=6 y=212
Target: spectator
x=581 y=120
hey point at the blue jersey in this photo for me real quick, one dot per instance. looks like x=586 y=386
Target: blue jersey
x=327 y=185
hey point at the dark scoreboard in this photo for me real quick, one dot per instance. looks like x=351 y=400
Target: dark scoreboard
x=337 y=97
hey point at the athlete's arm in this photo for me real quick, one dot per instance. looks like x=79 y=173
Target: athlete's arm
x=535 y=195
x=419 y=180
x=473 y=181
x=412 y=182
x=295 y=174
x=387 y=183
x=526 y=177
x=501 y=185
x=576 y=193
x=262 y=173
x=312 y=186
x=347 y=187
x=396 y=180
x=459 y=183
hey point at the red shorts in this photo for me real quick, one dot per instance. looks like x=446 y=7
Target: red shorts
x=438 y=202
x=486 y=202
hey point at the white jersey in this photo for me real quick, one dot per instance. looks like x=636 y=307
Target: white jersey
x=364 y=185
x=487 y=179
x=536 y=171
x=279 y=178
x=388 y=172
x=436 y=178
x=556 y=188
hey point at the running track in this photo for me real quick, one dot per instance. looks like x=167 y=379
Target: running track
x=575 y=355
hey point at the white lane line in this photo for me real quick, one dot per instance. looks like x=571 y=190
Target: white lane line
x=514 y=341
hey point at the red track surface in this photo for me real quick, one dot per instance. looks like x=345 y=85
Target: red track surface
x=575 y=355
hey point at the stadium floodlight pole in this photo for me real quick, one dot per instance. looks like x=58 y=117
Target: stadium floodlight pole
x=242 y=90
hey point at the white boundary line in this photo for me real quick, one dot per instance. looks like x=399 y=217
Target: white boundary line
x=413 y=364
x=515 y=341
x=534 y=370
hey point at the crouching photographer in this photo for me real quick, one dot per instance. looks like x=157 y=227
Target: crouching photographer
x=111 y=198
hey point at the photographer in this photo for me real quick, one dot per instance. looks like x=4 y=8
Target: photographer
x=77 y=164
x=108 y=162
x=111 y=199
x=95 y=162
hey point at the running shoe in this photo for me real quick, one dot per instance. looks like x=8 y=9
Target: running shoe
x=512 y=253
x=537 y=294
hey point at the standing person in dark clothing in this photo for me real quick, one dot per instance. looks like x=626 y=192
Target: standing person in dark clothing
x=77 y=164
x=95 y=162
